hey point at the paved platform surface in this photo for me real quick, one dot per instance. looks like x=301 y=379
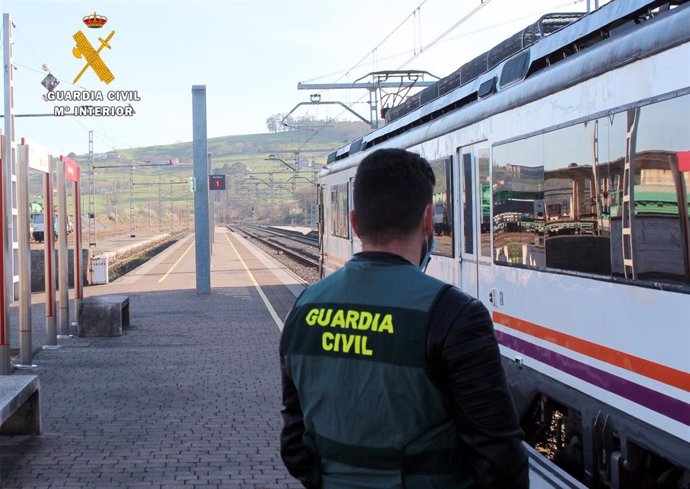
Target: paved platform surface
x=189 y=396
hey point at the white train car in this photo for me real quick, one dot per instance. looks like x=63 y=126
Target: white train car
x=563 y=180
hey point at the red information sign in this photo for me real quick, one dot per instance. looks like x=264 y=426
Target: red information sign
x=216 y=182
x=683 y=160
x=71 y=169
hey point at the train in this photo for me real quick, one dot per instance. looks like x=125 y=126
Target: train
x=562 y=162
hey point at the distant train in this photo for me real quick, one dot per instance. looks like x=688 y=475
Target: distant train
x=562 y=159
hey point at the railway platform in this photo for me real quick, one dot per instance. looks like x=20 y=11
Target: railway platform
x=188 y=396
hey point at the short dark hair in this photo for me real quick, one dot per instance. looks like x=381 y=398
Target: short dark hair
x=392 y=189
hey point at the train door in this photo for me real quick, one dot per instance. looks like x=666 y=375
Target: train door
x=475 y=239
x=355 y=243
x=320 y=200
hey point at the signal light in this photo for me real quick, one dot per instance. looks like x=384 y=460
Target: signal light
x=216 y=182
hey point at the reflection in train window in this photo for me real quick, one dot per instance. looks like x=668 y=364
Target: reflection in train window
x=574 y=240
x=485 y=199
x=660 y=221
x=518 y=202
x=467 y=204
x=339 y=211
x=443 y=208
x=560 y=199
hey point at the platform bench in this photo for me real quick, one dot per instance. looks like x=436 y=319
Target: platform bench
x=20 y=407
x=103 y=315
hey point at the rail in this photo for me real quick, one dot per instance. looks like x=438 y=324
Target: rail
x=299 y=254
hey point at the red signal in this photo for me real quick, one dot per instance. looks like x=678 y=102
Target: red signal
x=216 y=182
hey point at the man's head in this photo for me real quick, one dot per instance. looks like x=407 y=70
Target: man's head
x=393 y=188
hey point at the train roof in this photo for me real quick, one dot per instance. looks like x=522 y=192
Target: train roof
x=551 y=39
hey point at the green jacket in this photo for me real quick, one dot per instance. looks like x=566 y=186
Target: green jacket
x=354 y=346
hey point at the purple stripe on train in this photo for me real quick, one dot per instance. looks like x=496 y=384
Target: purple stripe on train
x=656 y=401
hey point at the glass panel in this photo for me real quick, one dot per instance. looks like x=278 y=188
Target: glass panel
x=518 y=202
x=485 y=199
x=572 y=181
x=612 y=132
x=339 y=211
x=443 y=208
x=660 y=223
x=467 y=204
x=558 y=197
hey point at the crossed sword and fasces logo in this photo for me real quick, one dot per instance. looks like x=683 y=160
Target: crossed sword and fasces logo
x=92 y=56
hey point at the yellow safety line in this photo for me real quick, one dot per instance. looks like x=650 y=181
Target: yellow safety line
x=271 y=311
x=176 y=263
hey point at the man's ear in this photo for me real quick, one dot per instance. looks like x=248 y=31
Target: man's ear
x=429 y=219
x=354 y=223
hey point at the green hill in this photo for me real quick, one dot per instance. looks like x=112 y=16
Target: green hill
x=308 y=142
x=259 y=186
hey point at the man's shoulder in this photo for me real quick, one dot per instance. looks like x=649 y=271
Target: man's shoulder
x=454 y=304
x=457 y=297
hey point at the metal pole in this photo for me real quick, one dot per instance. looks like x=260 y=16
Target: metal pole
x=212 y=209
x=49 y=256
x=132 y=232
x=78 y=276
x=201 y=217
x=5 y=200
x=25 y=341
x=170 y=202
x=160 y=206
x=92 y=195
x=63 y=271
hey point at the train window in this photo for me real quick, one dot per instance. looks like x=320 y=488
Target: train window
x=443 y=207
x=558 y=197
x=573 y=237
x=339 y=211
x=660 y=223
x=467 y=204
x=485 y=196
x=518 y=202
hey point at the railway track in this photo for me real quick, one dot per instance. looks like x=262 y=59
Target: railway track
x=296 y=251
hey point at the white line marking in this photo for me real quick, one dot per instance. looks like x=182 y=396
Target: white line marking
x=176 y=263
x=271 y=311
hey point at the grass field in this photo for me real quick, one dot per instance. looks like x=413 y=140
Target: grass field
x=139 y=187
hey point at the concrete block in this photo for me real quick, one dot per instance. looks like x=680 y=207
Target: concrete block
x=20 y=407
x=103 y=315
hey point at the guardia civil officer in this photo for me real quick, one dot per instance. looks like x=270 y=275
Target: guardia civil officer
x=391 y=378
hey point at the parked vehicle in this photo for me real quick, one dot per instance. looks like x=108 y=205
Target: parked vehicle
x=37 y=226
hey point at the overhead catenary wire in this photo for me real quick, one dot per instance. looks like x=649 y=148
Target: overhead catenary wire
x=28 y=44
x=481 y=5
x=425 y=49
x=526 y=16
x=371 y=51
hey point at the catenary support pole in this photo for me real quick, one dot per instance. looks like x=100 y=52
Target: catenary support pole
x=201 y=214
x=7 y=157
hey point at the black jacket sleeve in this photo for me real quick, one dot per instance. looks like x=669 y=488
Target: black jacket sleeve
x=464 y=359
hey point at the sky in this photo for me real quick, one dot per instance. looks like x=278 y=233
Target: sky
x=250 y=55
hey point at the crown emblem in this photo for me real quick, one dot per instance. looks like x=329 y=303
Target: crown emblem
x=95 y=21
